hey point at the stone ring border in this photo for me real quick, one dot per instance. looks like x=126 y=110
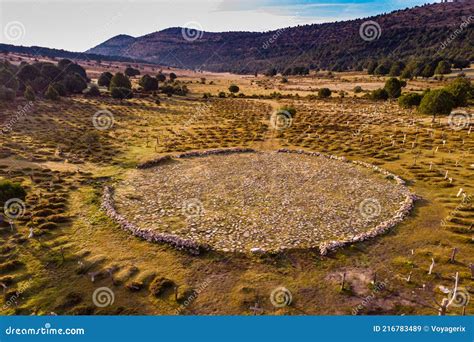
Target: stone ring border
x=196 y=248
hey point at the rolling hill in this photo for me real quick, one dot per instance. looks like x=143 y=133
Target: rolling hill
x=441 y=30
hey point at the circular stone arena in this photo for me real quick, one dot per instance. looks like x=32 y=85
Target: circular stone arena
x=262 y=201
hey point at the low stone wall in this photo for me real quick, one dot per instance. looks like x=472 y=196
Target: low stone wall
x=149 y=235
x=402 y=212
x=160 y=160
x=196 y=248
x=154 y=162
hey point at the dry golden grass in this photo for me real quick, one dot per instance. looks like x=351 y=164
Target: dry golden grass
x=64 y=162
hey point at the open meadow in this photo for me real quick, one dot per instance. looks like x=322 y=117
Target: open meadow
x=248 y=230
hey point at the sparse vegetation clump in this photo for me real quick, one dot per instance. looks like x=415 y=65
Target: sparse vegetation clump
x=234 y=89
x=438 y=101
x=93 y=91
x=104 y=79
x=393 y=87
x=9 y=190
x=410 y=100
x=379 y=94
x=120 y=87
x=131 y=72
x=29 y=94
x=148 y=83
x=51 y=94
x=462 y=90
x=324 y=93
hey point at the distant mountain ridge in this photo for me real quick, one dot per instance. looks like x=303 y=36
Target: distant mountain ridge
x=419 y=31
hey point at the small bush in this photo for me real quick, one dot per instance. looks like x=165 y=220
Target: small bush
x=121 y=93
x=289 y=109
x=51 y=94
x=104 y=79
x=130 y=72
x=221 y=94
x=29 y=94
x=461 y=89
x=324 y=92
x=9 y=190
x=379 y=94
x=393 y=87
x=59 y=87
x=358 y=89
x=93 y=91
x=234 y=88
x=410 y=100
x=437 y=101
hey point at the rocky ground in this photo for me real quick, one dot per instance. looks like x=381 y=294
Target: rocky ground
x=259 y=201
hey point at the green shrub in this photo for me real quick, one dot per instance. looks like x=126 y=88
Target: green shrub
x=443 y=68
x=161 y=77
x=358 y=89
x=59 y=87
x=393 y=87
x=121 y=93
x=74 y=83
x=51 y=94
x=29 y=94
x=119 y=80
x=461 y=89
x=437 y=101
x=221 y=94
x=93 y=91
x=130 y=72
x=234 y=88
x=410 y=100
x=406 y=74
x=9 y=190
x=381 y=70
x=324 y=92
x=104 y=79
x=379 y=94
x=148 y=83
x=289 y=109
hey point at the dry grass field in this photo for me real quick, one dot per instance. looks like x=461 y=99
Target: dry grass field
x=64 y=247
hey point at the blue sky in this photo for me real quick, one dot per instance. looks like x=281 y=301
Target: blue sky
x=78 y=25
